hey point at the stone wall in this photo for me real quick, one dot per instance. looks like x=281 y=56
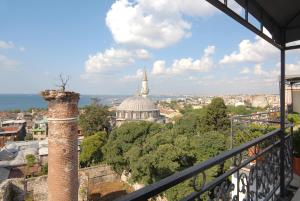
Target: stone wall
x=12 y=189
x=37 y=186
x=16 y=189
x=99 y=174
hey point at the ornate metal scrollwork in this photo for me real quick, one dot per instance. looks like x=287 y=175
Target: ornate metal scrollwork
x=223 y=191
x=252 y=181
x=196 y=186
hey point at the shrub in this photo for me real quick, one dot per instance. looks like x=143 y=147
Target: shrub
x=30 y=159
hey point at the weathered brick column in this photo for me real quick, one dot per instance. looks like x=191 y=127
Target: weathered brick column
x=62 y=148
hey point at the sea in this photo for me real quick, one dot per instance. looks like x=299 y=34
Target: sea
x=24 y=102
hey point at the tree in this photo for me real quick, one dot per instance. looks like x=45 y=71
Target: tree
x=63 y=82
x=151 y=152
x=216 y=117
x=243 y=110
x=191 y=122
x=252 y=131
x=95 y=118
x=90 y=147
x=122 y=139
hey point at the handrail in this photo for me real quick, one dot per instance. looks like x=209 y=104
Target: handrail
x=168 y=182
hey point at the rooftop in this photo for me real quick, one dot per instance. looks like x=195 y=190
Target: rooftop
x=137 y=103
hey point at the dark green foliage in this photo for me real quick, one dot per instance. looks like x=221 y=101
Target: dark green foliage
x=216 y=117
x=91 y=152
x=294 y=118
x=123 y=138
x=187 y=108
x=251 y=132
x=243 y=110
x=296 y=142
x=30 y=160
x=28 y=137
x=45 y=169
x=95 y=118
x=151 y=152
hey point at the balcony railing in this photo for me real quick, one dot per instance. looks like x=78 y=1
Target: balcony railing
x=253 y=176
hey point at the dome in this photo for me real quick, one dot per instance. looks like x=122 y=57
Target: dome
x=137 y=103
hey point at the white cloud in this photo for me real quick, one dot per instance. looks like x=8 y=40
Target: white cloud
x=293 y=69
x=137 y=75
x=159 y=67
x=6 y=63
x=154 y=24
x=6 y=45
x=256 y=51
x=245 y=70
x=267 y=74
x=142 y=54
x=259 y=71
x=112 y=59
x=204 y=64
x=109 y=60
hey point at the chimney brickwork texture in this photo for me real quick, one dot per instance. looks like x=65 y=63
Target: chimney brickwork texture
x=62 y=145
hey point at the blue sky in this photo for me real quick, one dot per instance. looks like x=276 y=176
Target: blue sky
x=186 y=46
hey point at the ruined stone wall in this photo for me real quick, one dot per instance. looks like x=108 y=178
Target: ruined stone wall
x=16 y=189
x=37 y=186
x=12 y=189
x=99 y=174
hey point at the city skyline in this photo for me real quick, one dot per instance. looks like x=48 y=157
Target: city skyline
x=102 y=47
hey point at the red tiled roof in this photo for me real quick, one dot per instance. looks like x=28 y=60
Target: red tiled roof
x=10 y=129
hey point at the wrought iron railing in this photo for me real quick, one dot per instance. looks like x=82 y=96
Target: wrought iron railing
x=253 y=176
x=242 y=123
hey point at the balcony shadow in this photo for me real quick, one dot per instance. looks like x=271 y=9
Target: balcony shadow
x=107 y=197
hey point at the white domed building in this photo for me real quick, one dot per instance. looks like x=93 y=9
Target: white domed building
x=138 y=107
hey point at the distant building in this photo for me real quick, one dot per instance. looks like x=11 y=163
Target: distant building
x=259 y=101
x=11 y=133
x=13 y=154
x=40 y=129
x=12 y=122
x=292 y=93
x=138 y=107
x=170 y=115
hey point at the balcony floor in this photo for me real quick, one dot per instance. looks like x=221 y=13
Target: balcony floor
x=296 y=183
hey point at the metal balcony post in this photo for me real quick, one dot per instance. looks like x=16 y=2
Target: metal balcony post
x=282 y=122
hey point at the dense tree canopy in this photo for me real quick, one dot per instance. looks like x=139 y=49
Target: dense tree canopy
x=94 y=118
x=243 y=110
x=151 y=152
x=90 y=147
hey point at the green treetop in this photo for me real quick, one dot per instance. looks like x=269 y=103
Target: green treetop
x=90 y=147
x=95 y=118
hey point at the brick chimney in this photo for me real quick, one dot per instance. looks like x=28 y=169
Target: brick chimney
x=62 y=148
